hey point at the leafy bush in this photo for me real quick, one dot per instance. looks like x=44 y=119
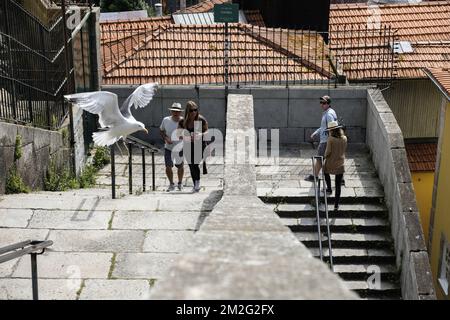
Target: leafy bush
x=18 y=148
x=55 y=181
x=101 y=158
x=88 y=179
x=14 y=183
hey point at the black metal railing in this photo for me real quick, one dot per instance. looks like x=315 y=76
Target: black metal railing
x=133 y=142
x=137 y=52
x=33 y=248
x=36 y=68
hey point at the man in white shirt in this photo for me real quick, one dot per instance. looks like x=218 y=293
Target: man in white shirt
x=328 y=115
x=168 y=131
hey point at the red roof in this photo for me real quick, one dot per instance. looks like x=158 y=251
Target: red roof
x=421 y=156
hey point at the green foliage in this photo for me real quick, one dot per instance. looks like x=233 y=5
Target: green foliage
x=59 y=181
x=88 y=179
x=14 y=182
x=18 y=148
x=101 y=158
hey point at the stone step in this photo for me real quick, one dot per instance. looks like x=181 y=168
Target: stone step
x=346 y=240
x=364 y=272
x=366 y=289
x=307 y=198
x=356 y=255
x=338 y=225
x=293 y=210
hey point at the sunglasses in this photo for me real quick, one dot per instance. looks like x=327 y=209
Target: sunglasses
x=193 y=110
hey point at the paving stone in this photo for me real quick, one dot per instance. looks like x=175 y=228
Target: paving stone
x=369 y=192
x=156 y=220
x=49 y=289
x=167 y=241
x=46 y=202
x=7 y=268
x=143 y=265
x=71 y=265
x=97 y=241
x=116 y=289
x=10 y=236
x=15 y=218
x=70 y=219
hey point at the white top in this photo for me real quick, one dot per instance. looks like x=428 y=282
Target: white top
x=169 y=126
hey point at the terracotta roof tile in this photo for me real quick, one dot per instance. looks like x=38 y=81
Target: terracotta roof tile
x=254 y=17
x=174 y=54
x=425 y=25
x=421 y=156
x=442 y=78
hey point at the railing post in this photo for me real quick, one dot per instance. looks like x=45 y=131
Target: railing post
x=130 y=168
x=34 y=276
x=143 y=169
x=316 y=193
x=153 y=171
x=113 y=172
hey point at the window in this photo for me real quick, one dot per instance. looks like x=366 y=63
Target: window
x=444 y=266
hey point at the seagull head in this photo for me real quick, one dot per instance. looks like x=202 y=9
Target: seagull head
x=141 y=127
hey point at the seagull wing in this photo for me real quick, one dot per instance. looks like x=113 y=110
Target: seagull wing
x=103 y=103
x=141 y=97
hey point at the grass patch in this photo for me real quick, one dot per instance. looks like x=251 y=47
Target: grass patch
x=111 y=220
x=152 y=282
x=113 y=264
x=83 y=284
x=14 y=182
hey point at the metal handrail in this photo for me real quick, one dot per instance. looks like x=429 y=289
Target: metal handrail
x=20 y=249
x=317 y=198
x=144 y=146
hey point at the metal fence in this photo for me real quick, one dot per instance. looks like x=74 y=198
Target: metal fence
x=158 y=51
x=36 y=68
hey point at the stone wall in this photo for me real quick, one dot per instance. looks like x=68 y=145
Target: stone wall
x=38 y=146
x=243 y=250
x=385 y=141
x=294 y=111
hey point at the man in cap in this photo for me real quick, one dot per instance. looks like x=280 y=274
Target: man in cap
x=328 y=115
x=168 y=130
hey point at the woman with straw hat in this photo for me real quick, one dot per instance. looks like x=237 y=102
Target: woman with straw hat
x=334 y=159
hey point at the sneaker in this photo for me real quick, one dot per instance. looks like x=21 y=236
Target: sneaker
x=336 y=208
x=180 y=186
x=329 y=192
x=310 y=178
x=343 y=183
x=171 y=187
x=196 y=186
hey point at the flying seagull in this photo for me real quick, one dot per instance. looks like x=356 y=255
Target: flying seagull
x=115 y=122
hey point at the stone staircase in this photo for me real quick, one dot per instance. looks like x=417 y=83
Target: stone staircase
x=360 y=232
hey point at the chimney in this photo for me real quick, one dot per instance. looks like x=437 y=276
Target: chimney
x=182 y=5
x=158 y=9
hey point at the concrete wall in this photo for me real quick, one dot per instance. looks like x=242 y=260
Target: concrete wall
x=385 y=141
x=440 y=218
x=243 y=250
x=295 y=111
x=38 y=145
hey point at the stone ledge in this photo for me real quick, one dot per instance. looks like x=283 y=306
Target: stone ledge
x=407 y=232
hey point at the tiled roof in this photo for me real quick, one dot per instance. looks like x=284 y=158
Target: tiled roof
x=254 y=17
x=425 y=25
x=442 y=78
x=203 y=6
x=174 y=54
x=421 y=156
